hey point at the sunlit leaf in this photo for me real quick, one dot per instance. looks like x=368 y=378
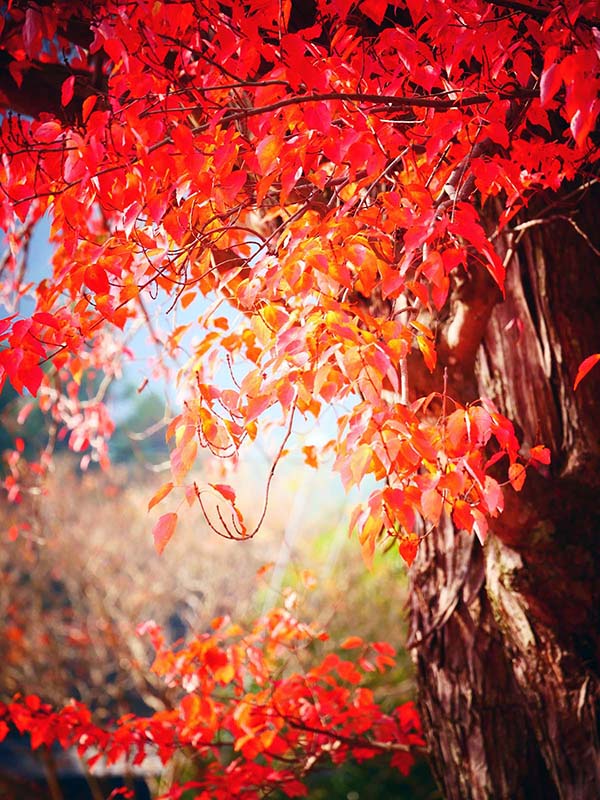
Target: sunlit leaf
x=160 y=494
x=164 y=530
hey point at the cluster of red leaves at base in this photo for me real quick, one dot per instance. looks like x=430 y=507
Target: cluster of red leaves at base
x=295 y=173
x=242 y=711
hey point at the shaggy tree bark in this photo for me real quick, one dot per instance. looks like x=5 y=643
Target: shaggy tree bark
x=506 y=638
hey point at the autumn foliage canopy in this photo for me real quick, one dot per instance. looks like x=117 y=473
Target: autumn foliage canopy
x=322 y=174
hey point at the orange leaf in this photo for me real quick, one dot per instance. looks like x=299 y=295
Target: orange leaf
x=187 y=298
x=431 y=504
x=461 y=514
x=516 y=475
x=163 y=530
x=267 y=151
x=160 y=494
x=310 y=456
x=351 y=643
x=172 y=427
x=264 y=569
x=367 y=538
x=182 y=459
x=88 y=107
x=585 y=366
x=427 y=347
x=360 y=460
x=408 y=547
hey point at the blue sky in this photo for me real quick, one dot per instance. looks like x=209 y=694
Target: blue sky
x=138 y=368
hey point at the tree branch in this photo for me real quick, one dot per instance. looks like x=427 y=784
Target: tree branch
x=536 y=12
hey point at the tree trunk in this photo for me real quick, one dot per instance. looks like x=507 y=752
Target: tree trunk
x=506 y=638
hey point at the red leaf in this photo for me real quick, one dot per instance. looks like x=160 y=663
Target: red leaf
x=384 y=649
x=66 y=91
x=163 y=530
x=48 y=132
x=5 y=323
x=549 y=84
x=374 y=9
x=540 y=453
x=582 y=123
x=462 y=516
x=408 y=547
x=31 y=376
x=585 y=366
x=224 y=490
x=32 y=31
x=95 y=279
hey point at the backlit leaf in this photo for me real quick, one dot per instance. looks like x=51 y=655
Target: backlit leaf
x=163 y=531
x=517 y=474
x=352 y=643
x=408 y=547
x=585 y=366
x=540 y=453
x=66 y=91
x=160 y=494
x=225 y=491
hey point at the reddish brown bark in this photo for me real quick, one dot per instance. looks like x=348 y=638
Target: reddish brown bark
x=506 y=638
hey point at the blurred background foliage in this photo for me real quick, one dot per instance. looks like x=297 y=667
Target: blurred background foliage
x=78 y=573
